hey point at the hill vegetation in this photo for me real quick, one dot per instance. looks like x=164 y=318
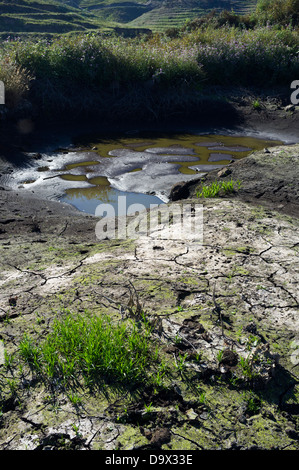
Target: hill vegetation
x=153 y=73
x=60 y=16
x=44 y=16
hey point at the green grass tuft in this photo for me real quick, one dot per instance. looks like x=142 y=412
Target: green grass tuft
x=216 y=187
x=93 y=349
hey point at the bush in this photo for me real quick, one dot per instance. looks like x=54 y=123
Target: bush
x=258 y=57
x=282 y=12
x=72 y=70
x=16 y=80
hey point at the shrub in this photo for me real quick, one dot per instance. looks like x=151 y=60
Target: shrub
x=250 y=57
x=71 y=71
x=282 y=12
x=16 y=80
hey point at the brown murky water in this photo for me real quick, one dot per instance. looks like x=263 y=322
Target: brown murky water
x=199 y=154
x=143 y=168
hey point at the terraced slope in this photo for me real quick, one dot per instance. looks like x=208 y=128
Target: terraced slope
x=44 y=16
x=59 y=16
x=159 y=14
x=165 y=15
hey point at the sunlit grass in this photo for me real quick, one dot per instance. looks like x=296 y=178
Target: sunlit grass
x=93 y=349
x=216 y=188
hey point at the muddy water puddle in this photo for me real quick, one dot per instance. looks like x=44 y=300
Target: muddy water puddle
x=143 y=168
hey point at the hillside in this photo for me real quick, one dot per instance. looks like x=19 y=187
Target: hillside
x=161 y=14
x=157 y=14
x=60 y=16
x=44 y=16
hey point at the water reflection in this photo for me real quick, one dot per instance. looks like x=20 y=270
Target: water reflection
x=192 y=154
x=87 y=199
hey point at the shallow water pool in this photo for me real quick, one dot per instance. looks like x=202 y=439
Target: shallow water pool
x=144 y=167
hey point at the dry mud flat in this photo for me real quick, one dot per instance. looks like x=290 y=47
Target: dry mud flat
x=228 y=306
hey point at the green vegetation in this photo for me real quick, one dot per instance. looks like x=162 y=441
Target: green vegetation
x=277 y=12
x=157 y=73
x=256 y=104
x=60 y=16
x=217 y=188
x=93 y=349
x=44 y=16
x=167 y=15
x=253 y=402
x=87 y=353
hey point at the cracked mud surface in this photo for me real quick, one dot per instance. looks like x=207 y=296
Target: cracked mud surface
x=233 y=298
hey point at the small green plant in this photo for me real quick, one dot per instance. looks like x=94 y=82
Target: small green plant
x=230 y=186
x=214 y=189
x=8 y=359
x=211 y=190
x=177 y=339
x=202 y=398
x=256 y=104
x=197 y=357
x=12 y=384
x=160 y=374
x=219 y=355
x=148 y=408
x=76 y=430
x=181 y=362
x=233 y=380
x=246 y=365
x=74 y=398
x=253 y=403
x=252 y=342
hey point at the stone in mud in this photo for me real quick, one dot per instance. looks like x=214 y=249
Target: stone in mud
x=290 y=107
x=180 y=190
x=224 y=172
x=229 y=358
x=160 y=436
x=192 y=416
x=204 y=168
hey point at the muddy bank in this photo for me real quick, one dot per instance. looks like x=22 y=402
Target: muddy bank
x=228 y=306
